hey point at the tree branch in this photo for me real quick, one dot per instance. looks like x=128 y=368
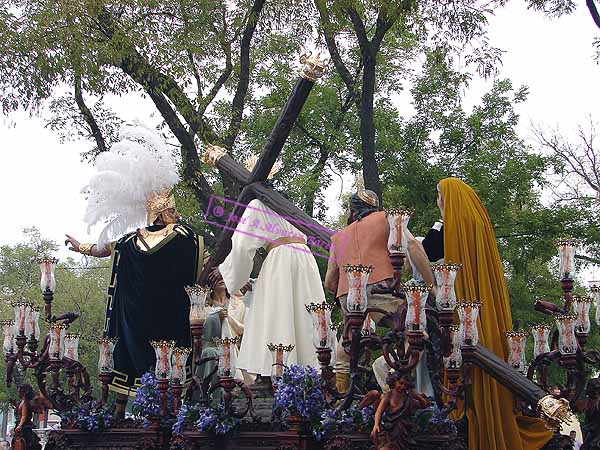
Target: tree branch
x=360 y=30
x=593 y=11
x=88 y=116
x=332 y=47
x=239 y=99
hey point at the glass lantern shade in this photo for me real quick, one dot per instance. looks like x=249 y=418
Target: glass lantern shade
x=197 y=295
x=226 y=359
x=358 y=277
x=32 y=325
x=178 y=364
x=566 y=252
x=567 y=341
x=369 y=326
x=280 y=354
x=106 y=347
x=468 y=313
x=22 y=310
x=454 y=360
x=48 y=281
x=8 y=330
x=57 y=333
x=72 y=346
x=541 y=334
x=163 y=351
x=416 y=300
x=445 y=276
x=398 y=222
x=517 y=340
x=581 y=308
x=321 y=319
x=596 y=296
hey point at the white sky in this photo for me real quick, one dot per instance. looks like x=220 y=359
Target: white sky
x=42 y=178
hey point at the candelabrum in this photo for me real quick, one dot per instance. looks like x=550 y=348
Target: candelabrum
x=59 y=349
x=567 y=347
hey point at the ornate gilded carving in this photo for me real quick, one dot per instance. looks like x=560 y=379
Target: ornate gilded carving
x=313 y=66
x=212 y=154
x=554 y=411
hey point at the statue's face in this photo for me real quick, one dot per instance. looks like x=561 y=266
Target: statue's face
x=170 y=216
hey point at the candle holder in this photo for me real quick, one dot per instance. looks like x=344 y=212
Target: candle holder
x=454 y=359
x=358 y=277
x=47 y=282
x=468 y=313
x=8 y=330
x=21 y=309
x=163 y=351
x=106 y=364
x=197 y=295
x=33 y=328
x=517 y=340
x=416 y=299
x=280 y=354
x=178 y=374
x=320 y=314
x=398 y=219
x=226 y=368
x=595 y=291
x=541 y=334
x=445 y=277
x=567 y=341
x=57 y=333
x=71 y=345
x=581 y=309
x=321 y=318
x=566 y=250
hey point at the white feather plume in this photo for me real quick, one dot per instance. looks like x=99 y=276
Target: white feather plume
x=137 y=166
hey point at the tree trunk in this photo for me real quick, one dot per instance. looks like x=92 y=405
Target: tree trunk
x=367 y=126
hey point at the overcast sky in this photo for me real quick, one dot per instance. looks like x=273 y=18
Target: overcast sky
x=42 y=178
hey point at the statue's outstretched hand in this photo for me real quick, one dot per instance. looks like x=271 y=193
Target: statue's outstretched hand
x=74 y=243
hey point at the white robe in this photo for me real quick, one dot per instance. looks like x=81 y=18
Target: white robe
x=289 y=279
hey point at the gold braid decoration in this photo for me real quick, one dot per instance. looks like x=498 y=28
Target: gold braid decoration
x=86 y=249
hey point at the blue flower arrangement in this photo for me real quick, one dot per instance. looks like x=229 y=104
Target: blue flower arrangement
x=434 y=420
x=91 y=416
x=208 y=419
x=300 y=391
x=334 y=421
x=147 y=401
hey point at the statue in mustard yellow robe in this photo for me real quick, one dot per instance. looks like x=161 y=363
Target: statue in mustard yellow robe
x=469 y=239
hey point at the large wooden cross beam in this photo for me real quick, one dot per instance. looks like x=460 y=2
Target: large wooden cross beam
x=254 y=182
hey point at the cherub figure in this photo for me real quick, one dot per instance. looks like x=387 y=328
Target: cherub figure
x=24 y=437
x=393 y=431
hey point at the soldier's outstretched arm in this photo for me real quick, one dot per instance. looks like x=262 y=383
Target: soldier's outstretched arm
x=86 y=249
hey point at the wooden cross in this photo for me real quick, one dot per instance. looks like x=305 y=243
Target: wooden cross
x=254 y=182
